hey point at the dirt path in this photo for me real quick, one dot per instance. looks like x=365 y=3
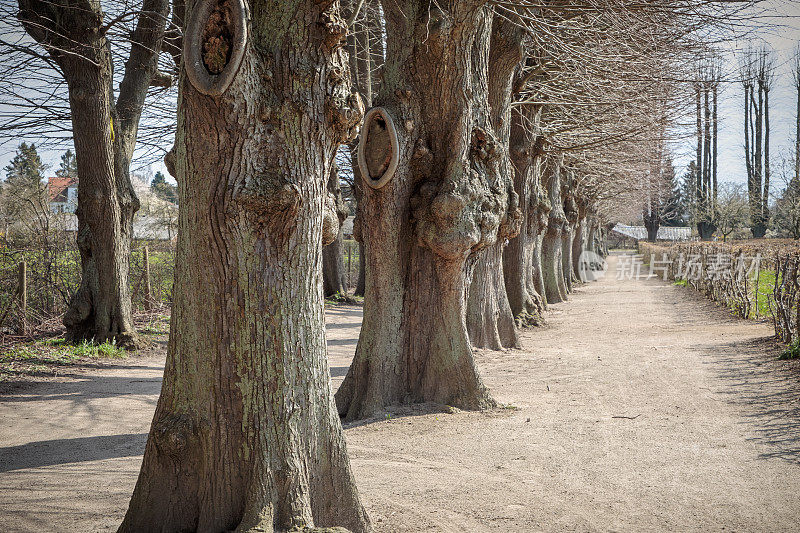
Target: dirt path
x=639 y=407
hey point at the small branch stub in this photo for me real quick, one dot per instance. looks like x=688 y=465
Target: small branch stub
x=378 y=148
x=214 y=44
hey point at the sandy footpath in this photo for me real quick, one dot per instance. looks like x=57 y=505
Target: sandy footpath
x=638 y=407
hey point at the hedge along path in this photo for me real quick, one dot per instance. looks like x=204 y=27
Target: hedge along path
x=763 y=278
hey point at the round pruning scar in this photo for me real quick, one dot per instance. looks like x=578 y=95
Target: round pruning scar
x=214 y=45
x=378 y=148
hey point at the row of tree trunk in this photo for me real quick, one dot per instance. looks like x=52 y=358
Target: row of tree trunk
x=478 y=229
x=473 y=231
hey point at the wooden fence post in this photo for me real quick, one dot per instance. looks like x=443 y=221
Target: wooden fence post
x=22 y=324
x=148 y=290
x=758 y=280
x=349 y=262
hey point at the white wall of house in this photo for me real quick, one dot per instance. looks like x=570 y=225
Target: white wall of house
x=70 y=205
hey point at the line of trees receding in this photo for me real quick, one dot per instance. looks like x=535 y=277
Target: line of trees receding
x=499 y=138
x=717 y=208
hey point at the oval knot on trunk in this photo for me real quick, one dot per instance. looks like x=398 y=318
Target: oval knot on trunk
x=215 y=43
x=378 y=148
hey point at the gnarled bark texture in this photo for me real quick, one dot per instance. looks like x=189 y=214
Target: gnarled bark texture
x=490 y=321
x=445 y=202
x=579 y=244
x=333 y=277
x=105 y=136
x=521 y=258
x=552 y=262
x=245 y=435
x=568 y=184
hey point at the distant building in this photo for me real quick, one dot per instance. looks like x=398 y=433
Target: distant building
x=63 y=194
x=639 y=233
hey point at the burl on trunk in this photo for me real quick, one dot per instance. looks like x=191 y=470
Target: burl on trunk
x=443 y=201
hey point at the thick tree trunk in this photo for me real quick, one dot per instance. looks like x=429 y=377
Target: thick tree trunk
x=334 y=281
x=566 y=257
x=414 y=345
x=578 y=247
x=603 y=238
x=521 y=258
x=105 y=138
x=706 y=230
x=554 y=289
x=552 y=262
x=245 y=435
x=652 y=228
x=101 y=308
x=490 y=321
x=568 y=185
x=361 y=282
x=536 y=266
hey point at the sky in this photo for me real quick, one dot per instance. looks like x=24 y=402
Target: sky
x=783 y=36
x=778 y=27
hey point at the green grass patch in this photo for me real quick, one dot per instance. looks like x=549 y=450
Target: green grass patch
x=46 y=356
x=157 y=327
x=339 y=299
x=791 y=352
x=681 y=283
x=766 y=285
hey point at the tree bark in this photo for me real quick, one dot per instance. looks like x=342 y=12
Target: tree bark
x=578 y=245
x=444 y=202
x=333 y=277
x=105 y=137
x=552 y=276
x=245 y=436
x=536 y=263
x=521 y=258
x=651 y=223
x=490 y=321
x=571 y=215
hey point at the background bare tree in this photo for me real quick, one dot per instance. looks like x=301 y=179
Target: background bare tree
x=757 y=71
x=74 y=37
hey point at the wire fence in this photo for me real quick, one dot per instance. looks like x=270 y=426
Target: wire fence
x=52 y=275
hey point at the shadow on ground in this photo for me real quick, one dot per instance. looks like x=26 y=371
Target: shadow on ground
x=766 y=388
x=62 y=451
